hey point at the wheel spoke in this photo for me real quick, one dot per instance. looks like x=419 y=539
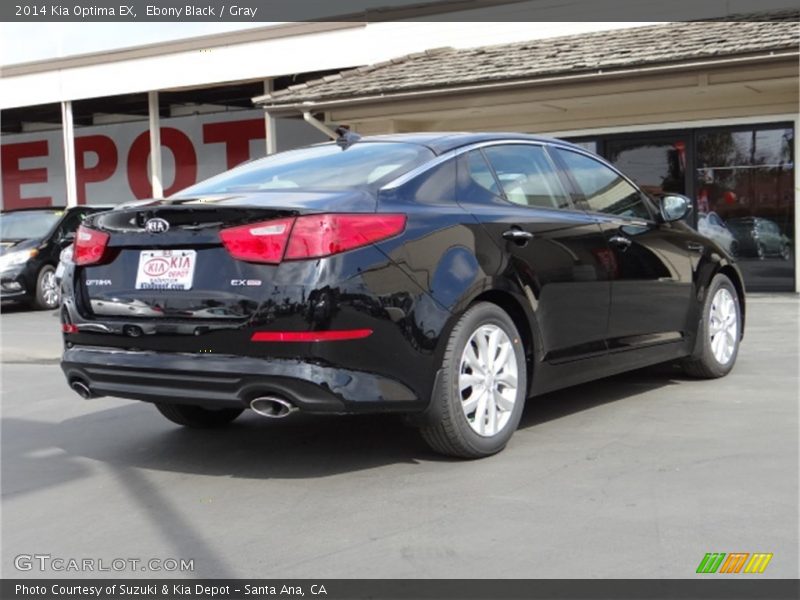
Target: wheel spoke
x=467 y=380
x=502 y=402
x=471 y=402
x=507 y=379
x=472 y=359
x=502 y=357
x=491 y=416
x=480 y=413
x=483 y=350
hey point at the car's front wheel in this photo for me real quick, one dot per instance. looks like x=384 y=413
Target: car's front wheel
x=720 y=331
x=478 y=402
x=48 y=294
x=197 y=417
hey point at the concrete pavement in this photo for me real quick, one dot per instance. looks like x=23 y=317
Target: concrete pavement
x=634 y=476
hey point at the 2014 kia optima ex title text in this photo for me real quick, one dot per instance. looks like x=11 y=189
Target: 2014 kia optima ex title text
x=445 y=277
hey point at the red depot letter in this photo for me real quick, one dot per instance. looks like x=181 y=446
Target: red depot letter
x=14 y=177
x=236 y=136
x=106 y=151
x=185 y=162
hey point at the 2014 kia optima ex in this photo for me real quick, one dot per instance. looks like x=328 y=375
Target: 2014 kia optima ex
x=447 y=277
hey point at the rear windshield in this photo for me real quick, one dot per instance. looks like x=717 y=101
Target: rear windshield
x=28 y=225
x=364 y=165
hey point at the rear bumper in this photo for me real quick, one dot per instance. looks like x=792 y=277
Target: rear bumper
x=218 y=381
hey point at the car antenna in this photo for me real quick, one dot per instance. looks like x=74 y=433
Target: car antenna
x=346 y=138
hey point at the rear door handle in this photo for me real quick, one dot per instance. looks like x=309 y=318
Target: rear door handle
x=620 y=241
x=518 y=236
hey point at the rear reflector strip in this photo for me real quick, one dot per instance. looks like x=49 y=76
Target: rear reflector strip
x=310 y=336
x=69 y=328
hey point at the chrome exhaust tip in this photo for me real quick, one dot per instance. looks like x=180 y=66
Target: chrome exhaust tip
x=272 y=407
x=81 y=389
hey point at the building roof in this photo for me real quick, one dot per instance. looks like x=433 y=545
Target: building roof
x=608 y=51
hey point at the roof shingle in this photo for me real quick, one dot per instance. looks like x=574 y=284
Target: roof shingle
x=602 y=51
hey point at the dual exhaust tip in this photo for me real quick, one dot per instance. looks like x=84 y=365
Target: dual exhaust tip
x=83 y=390
x=272 y=407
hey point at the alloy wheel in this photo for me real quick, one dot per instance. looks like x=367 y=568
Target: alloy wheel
x=723 y=326
x=487 y=380
x=49 y=288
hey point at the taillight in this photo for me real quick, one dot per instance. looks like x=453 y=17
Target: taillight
x=90 y=246
x=315 y=236
x=259 y=242
x=310 y=236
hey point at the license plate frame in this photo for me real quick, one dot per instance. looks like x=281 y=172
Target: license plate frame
x=170 y=270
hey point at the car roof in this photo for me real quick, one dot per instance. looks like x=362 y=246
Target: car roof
x=445 y=141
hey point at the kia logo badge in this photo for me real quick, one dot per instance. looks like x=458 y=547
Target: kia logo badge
x=156 y=225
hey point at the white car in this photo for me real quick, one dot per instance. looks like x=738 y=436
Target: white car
x=712 y=226
x=63 y=259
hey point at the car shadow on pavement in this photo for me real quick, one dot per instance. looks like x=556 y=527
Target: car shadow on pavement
x=555 y=405
x=37 y=454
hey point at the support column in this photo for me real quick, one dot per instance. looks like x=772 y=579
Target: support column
x=796 y=206
x=269 y=123
x=69 y=152
x=155 y=144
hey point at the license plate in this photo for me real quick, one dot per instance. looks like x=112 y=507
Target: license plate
x=166 y=269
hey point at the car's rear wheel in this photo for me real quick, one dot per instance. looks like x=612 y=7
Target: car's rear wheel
x=197 y=417
x=478 y=402
x=786 y=252
x=48 y=294
x=719 y=331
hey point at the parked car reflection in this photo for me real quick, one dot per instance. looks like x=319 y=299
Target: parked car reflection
x=760 y=238
x=713 y=227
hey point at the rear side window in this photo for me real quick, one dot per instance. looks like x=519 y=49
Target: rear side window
x=526 y=176
x=603 y=189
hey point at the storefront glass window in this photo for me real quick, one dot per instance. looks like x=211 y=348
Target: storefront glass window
x=658 y=166
x=745 y=177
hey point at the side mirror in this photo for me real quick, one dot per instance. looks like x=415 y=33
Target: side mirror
x=674 y=207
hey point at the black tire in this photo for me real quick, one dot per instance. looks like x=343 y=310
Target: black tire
x=786 y=252
x=734 y=248
x=447 y=429
x=45 y=299
x=761 y=252
x=703 y=364
x=198 y=417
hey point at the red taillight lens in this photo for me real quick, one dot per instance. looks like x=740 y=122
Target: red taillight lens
x=310 y=236
x=90 y=246
x=315 y=236
x=259 y=242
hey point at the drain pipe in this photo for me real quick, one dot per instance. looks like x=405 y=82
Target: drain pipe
x=317 y=124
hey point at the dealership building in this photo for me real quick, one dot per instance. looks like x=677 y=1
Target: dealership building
x=707 y=109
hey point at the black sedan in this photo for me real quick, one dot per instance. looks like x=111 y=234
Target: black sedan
x=445 y=277
x=30 y=243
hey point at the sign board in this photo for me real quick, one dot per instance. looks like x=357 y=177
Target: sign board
x=113 y=161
